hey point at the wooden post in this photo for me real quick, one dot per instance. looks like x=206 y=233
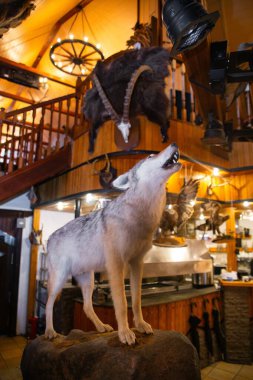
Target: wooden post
x=173 y=97
x=33 y=268
x=231 y=244
x=184 y=112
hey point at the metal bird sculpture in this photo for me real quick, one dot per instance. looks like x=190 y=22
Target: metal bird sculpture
x=176 y=215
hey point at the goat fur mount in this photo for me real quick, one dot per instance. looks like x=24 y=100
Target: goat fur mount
x=131 y=84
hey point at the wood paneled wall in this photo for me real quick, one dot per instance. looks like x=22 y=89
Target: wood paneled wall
x=186 y=135
x=235 y=186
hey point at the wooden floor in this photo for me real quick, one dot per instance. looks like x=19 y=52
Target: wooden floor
x=11 y=350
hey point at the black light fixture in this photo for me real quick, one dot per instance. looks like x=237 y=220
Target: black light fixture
x=187 y=23
x=214 y=133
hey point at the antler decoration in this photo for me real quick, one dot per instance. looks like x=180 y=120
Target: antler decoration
x=123 y=122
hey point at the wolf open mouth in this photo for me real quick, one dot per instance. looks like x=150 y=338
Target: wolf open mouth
x=172 y=160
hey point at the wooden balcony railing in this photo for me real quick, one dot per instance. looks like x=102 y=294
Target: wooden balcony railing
x=33 y=133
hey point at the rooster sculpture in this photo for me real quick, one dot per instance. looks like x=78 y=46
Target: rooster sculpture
x=176 y=215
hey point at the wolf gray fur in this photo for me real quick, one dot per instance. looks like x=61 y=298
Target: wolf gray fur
x=110 y=239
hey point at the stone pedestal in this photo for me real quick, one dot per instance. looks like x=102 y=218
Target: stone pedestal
x=166 y=355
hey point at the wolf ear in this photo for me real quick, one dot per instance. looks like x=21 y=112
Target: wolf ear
x=122 y=182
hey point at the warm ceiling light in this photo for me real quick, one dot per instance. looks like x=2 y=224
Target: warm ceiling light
x=201 y=216
x=216 y=172
x=77 y=52
x=187 y=23
x=60 y=206
x=89 y=198
x=246 y=204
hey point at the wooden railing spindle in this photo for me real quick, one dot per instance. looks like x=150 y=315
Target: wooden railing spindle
x=49 y=147
x=57 y=145
x=66 y=138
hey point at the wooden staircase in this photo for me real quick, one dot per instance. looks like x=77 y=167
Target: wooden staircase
x=36 y=143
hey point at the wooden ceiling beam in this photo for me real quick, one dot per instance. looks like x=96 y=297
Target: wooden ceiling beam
x=33 y=70
x=56 y=28
x=16 y=97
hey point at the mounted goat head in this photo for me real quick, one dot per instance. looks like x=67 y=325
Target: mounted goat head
x=131 y=85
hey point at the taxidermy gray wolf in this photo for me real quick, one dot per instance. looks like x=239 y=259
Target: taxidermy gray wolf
x=111 y=238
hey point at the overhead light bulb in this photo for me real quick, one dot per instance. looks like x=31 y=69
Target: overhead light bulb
x=201 y=216
x=71 y=36
x=192 y=202
x=86 y=39
x=58 y=39
x=53 y=56
x=246 y=204
x=60 y=206
x=59 y=64
x=216 y=172
x=89 y=198
x=98 y=46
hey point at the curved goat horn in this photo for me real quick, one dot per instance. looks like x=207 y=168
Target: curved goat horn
x=129 y=90
x=109 y=108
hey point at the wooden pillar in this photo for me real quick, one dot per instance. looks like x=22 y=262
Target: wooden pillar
x=231 y=244
x=33 y=268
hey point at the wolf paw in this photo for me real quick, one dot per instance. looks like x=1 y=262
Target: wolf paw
x=50 y=334
x=104 y=328
x=144 y=327
x=127 y=336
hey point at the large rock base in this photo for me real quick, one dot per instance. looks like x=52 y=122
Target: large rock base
x=165 y=355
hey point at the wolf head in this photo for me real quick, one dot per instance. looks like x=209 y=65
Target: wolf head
x=156 y=167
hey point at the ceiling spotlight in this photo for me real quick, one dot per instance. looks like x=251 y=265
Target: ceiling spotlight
x=246 y=204
x=187 y=23
x=214 y=133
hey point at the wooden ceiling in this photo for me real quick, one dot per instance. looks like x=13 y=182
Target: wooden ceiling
x=107 y=22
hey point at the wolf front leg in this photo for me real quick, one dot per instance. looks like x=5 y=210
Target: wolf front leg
x=116 y=277
x=136 y=268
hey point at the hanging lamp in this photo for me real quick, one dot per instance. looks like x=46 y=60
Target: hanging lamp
x=75 y=56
